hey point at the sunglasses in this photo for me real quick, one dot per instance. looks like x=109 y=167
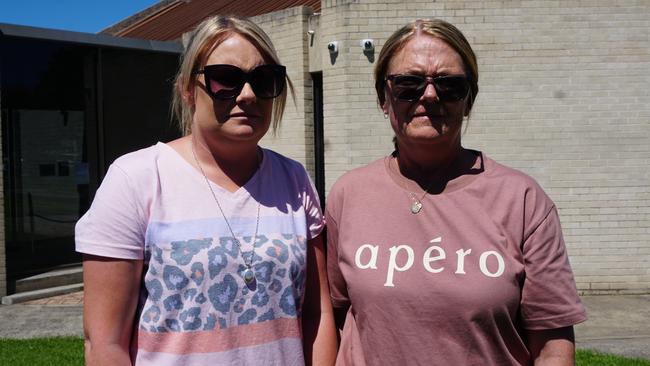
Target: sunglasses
x=227 y=81
x=409 y=88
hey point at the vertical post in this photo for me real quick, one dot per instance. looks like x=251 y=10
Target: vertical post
x=319 y=138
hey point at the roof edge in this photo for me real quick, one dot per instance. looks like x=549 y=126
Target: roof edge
x=120 y=26
x=22 y=31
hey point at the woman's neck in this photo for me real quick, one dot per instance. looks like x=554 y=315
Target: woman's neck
x=432 y=171
x=230 y=165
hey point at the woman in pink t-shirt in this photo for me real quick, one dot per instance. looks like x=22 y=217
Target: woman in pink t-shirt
x=208 y=250
x=438 y=255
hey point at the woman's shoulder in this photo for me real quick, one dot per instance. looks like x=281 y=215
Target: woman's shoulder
x=508 y=184
x=499 y=173
x=142 y=156
x=278 y=159
x=283 y=167
x=361 y=176
x=141 y=164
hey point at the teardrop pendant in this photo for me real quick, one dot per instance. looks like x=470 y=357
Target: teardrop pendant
x=249 y=276
x=416 y=207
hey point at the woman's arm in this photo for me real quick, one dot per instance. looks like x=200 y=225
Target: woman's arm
x=553 y=347
x=319 y=334
x=111 y=288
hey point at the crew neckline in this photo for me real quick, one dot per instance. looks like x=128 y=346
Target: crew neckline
x=478 y=169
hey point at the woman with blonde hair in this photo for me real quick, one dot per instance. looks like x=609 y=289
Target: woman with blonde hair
x=207 y=250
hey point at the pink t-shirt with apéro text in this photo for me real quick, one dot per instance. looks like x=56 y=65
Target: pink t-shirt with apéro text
x=458 y=283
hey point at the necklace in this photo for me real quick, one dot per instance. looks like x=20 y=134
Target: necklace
x=249 y=274
x=416 y=207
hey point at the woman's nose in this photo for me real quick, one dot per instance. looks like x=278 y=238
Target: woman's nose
x=430 y=93
x=246 y=94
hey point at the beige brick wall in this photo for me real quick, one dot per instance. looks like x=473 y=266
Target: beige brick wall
x=288 y=31
x=564 y=97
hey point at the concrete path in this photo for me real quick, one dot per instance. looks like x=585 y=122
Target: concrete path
x=617 y=324
x=54 y=316
x=29 y=321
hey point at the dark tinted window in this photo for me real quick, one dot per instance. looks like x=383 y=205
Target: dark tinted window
x=68 y=111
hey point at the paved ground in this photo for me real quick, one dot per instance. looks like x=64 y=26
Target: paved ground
x=617 y=324
x=55 y=316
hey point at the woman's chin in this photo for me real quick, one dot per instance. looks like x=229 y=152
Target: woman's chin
x=427 y=132
x=243 y=131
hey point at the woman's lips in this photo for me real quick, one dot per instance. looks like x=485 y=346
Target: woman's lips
x=243 y=115
x=428 y=115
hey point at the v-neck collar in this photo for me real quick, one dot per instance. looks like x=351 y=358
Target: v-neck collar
x=251 y=186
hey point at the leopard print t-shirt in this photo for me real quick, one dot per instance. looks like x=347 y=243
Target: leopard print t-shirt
x=195 y=307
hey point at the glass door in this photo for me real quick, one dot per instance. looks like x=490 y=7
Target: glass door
x=48 y=180
x=47 y=104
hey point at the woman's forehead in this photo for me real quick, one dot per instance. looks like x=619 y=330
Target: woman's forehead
x=426 y=54
x=236 y=50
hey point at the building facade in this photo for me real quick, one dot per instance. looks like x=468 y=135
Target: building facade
x=564 y=96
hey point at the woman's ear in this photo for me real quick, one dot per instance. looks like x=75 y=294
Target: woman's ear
x=384 y=103
x=188 y=96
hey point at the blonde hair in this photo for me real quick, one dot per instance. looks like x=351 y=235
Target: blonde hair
x=435 y=28
x=202 y=40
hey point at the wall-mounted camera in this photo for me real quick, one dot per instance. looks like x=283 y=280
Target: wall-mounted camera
x=368 y=45
x=333 y=47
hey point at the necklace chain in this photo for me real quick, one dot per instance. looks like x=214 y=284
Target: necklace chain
x=416 y=207
x=249 y=262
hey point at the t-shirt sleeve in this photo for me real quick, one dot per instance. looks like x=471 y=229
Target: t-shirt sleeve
x=549 y=296
x=115 y=224
x=338 y=286
x=311 y=203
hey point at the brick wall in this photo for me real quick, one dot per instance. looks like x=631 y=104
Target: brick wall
x=563 y=97
x=288 y=31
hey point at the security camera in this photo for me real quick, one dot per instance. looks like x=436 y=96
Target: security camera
x=367 y=45
x=333 y=47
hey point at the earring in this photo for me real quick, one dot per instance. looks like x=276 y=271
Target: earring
x=385 y=115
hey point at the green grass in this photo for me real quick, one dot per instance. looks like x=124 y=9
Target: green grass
x=54 y=351
x=68 y=351
x=591 y=358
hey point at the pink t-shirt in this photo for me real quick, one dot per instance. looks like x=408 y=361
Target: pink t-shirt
x=195 y=308
x=457 y=283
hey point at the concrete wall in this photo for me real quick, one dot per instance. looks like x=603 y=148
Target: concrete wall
x=563 y=97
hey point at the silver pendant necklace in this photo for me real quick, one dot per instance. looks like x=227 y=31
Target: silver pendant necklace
x=416 y=206
x=417 y=203
x=248 y=274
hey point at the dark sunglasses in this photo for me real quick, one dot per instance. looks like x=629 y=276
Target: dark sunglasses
x=409 y=88
x=227 y=81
